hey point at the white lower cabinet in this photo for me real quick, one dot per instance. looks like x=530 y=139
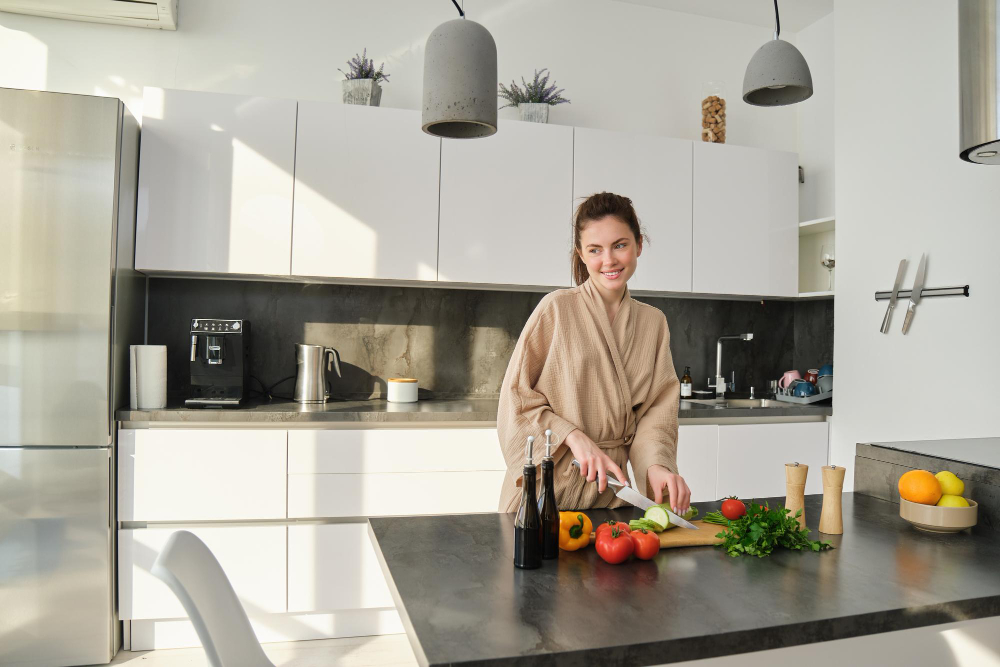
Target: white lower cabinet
x=333 y=567
x=391 y=494
x=394 y=450
x=253 y=558
x=752 y=457
x=201 y=474
x=698 y=460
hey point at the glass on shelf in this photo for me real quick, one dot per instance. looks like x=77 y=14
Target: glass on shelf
x=828 y=260
x=713 y=112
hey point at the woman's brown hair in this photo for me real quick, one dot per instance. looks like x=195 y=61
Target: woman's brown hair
x=596 y=207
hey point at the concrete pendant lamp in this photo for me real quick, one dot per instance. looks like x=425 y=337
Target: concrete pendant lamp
x=460 y=80
x=777 y=74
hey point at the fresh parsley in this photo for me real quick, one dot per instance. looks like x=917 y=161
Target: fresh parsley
x=761 y=529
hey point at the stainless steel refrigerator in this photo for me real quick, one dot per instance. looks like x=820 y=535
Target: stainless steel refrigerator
x=70 y=304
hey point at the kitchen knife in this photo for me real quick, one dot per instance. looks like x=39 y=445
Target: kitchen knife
x=895 y=293
x=918 y=286
x=633 y=497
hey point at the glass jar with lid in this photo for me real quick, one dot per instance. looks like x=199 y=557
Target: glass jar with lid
x=713 y=112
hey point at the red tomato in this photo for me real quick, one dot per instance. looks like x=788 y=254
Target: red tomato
x=646 y=544
x=605 y=526
x=614 y=546
x=733 y=509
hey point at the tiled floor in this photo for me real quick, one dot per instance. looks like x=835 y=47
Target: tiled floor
x=379 y=651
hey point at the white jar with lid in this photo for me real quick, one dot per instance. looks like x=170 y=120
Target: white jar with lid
x=401 y=390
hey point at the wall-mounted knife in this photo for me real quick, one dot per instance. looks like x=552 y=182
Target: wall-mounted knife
x=895 y=293
x=918 y=286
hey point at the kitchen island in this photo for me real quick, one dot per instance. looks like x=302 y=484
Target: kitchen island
x=463 y=603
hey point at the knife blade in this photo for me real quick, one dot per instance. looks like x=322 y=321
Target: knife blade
x=633 y=497
x=895 y=293
x=918 y=286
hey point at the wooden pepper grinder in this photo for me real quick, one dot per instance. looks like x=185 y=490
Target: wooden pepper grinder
x=795 y=490
x=831 y=521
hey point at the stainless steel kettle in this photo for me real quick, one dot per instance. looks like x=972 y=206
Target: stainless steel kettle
x=313 y=363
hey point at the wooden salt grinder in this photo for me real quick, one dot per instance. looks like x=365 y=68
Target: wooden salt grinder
x=795 y=490
x=831 y=521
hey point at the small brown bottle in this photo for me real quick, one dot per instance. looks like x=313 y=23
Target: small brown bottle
x=686 y=383
x=547 y=508
x=527 y=524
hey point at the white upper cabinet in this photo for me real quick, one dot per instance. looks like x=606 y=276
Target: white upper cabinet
x=655 y=173
x=215 y=183
x=366 y=194
x=506 y=206
x=745 y=221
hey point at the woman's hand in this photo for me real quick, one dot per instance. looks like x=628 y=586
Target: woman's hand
x=594 y=463
x=677 y=489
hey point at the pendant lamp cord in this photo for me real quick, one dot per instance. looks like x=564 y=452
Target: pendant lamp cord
x=462 y=13
x=777 y=22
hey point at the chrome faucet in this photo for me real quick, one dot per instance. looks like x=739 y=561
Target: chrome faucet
x=720 y=382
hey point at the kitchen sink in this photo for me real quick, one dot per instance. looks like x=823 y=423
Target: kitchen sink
x=742 y=402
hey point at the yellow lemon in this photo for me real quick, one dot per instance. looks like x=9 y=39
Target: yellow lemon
x=952 y=501
x=950 y=484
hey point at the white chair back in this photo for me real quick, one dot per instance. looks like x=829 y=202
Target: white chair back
x=188 y=567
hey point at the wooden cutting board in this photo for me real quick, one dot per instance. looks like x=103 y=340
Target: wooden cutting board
x=685 y=537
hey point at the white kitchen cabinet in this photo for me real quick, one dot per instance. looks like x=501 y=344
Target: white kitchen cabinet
x=333 y=567
x=698 y=460
x=215 y=183
x=366 y=193
x=745 y=221
x=752 y=457
x=391 y=494
x=253 y=558
x=655 y=173
x=201 y=474
x=506 y=206
x=393 y=450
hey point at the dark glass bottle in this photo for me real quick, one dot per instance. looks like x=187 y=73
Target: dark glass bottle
x=527 y=523
x=547 y=508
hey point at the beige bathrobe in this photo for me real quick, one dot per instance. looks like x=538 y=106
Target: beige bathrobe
x=615 y=381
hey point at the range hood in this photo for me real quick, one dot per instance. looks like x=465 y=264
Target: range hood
x=978 y=69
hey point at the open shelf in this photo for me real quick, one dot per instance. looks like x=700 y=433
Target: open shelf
x=813 y=278
x=817 y=226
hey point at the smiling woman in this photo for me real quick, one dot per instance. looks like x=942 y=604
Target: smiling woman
x=594 y=366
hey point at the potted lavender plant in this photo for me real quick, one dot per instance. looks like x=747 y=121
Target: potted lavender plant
x=534 y=100
x=362 y=83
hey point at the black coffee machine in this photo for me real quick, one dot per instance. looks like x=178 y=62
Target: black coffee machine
x=220 y=353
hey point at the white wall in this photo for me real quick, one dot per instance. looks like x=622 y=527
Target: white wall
x=816 y=195
x=624 y=67
x=901 y=191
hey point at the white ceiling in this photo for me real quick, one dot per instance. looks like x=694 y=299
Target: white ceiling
x=795 y=14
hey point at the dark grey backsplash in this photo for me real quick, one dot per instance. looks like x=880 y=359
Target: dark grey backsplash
x=458 y=342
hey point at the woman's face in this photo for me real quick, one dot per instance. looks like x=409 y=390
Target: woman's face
x=610 y=251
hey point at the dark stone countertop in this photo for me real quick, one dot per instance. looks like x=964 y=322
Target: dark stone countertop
x=463 y=603
x=282 y=411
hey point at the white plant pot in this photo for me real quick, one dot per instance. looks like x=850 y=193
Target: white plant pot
x=362 y=91
x=533 y=112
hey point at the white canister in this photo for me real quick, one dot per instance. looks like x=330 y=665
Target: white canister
x=401 y=390
x=147 y=377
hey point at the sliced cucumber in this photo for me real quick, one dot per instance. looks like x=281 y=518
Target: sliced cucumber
x=657 y=515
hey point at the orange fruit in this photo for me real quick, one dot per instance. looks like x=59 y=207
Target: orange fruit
x=920 y=486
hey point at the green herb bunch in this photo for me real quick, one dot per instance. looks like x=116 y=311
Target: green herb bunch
x=761 y=529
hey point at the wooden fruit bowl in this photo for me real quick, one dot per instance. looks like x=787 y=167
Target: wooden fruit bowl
x=936 y=519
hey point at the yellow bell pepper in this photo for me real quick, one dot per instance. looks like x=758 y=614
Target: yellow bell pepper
x=574 y=530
